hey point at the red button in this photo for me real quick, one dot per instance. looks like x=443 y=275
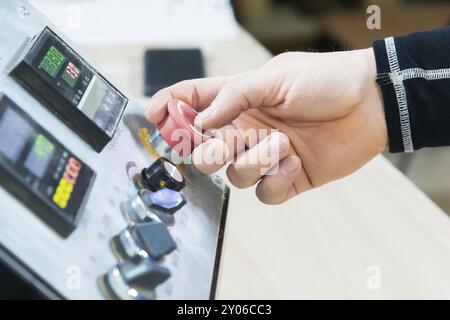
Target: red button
x=178 y=128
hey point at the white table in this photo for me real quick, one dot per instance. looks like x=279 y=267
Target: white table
x=370 y=235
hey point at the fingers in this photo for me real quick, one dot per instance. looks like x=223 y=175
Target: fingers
x=256 y=162
x=280 y=187
x=237 y=95
x=222 y=99
x=199 y=93
x=211 y=155
x=214 y=153
x=270 y=162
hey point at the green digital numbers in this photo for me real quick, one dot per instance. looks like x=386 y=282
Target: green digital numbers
x=52 y=61
x=42 y=147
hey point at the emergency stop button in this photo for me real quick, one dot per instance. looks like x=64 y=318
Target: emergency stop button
x=178 y=129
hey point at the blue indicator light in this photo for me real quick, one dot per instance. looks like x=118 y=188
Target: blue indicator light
x=164 y=198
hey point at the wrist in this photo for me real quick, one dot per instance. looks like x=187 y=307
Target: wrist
x=372 y=98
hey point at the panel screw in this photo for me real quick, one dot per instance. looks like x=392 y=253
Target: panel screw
x=23 y=11
x=217 y=179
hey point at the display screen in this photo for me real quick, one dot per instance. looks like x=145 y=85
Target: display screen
x=71 y=74
x=67 y=75
x=52 y=61
x=62 y=69
x=39 y=156
x=40 y=163
x=12 y=144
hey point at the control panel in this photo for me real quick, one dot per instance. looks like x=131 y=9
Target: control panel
x=71 y=88
x=40 y=171
x=94 y=203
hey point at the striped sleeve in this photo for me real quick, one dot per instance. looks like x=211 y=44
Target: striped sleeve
x=413 y=73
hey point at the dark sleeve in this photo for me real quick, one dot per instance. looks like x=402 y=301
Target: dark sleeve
x=413 y=73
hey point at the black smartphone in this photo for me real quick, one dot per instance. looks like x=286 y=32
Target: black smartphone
x=164 y=67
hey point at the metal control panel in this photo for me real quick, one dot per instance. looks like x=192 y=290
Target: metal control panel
x=71 y=88
x=91 y=205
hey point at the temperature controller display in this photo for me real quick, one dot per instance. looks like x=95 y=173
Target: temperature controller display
x=40 y=171
x=67 y=85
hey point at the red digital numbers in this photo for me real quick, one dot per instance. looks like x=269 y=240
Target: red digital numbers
x=72 y=170
x=73 y=71
x=67 y=183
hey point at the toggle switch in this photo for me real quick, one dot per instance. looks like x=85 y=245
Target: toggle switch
x=131 y=280
x=158 y=206
x=162 y=174
x=144 y=240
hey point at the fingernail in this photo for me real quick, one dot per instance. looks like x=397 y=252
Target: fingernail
x=290 y=164
x=205 y=114
x=279 y=143
x=149 y=108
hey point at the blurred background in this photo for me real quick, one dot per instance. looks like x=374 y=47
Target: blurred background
x=324 y=25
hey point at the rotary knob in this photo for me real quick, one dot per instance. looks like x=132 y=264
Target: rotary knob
x=143 y=240
x=162 y=174
x=132 y=280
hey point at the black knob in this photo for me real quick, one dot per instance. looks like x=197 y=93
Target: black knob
x=154 y=238
x=145 y=274
x=162 y=174
x=143 y=240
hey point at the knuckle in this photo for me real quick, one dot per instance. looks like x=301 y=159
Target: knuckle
x=282 y=137
x=160 y=94
x=269 y=188
x=266 y=198
x=184 y=85
x=237 y=179
x=247 y=169
x=281 y=57
x=229 y=89
x=268 y=193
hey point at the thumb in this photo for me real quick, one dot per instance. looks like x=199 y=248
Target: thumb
x=236 y=96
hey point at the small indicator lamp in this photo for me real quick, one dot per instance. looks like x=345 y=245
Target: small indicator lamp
x=164 y=200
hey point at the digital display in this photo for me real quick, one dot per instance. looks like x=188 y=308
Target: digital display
x=52 y=61
x=16 y=132
x=69 y=87
x=71 y=74
x=12 y=144
x=39 y=156
x=40 y=169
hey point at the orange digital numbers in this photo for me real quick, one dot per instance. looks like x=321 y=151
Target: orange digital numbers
x=67 y=182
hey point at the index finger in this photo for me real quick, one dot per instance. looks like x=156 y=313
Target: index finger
x=199 y=93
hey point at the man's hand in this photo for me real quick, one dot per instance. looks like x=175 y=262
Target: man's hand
x=326 y=106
